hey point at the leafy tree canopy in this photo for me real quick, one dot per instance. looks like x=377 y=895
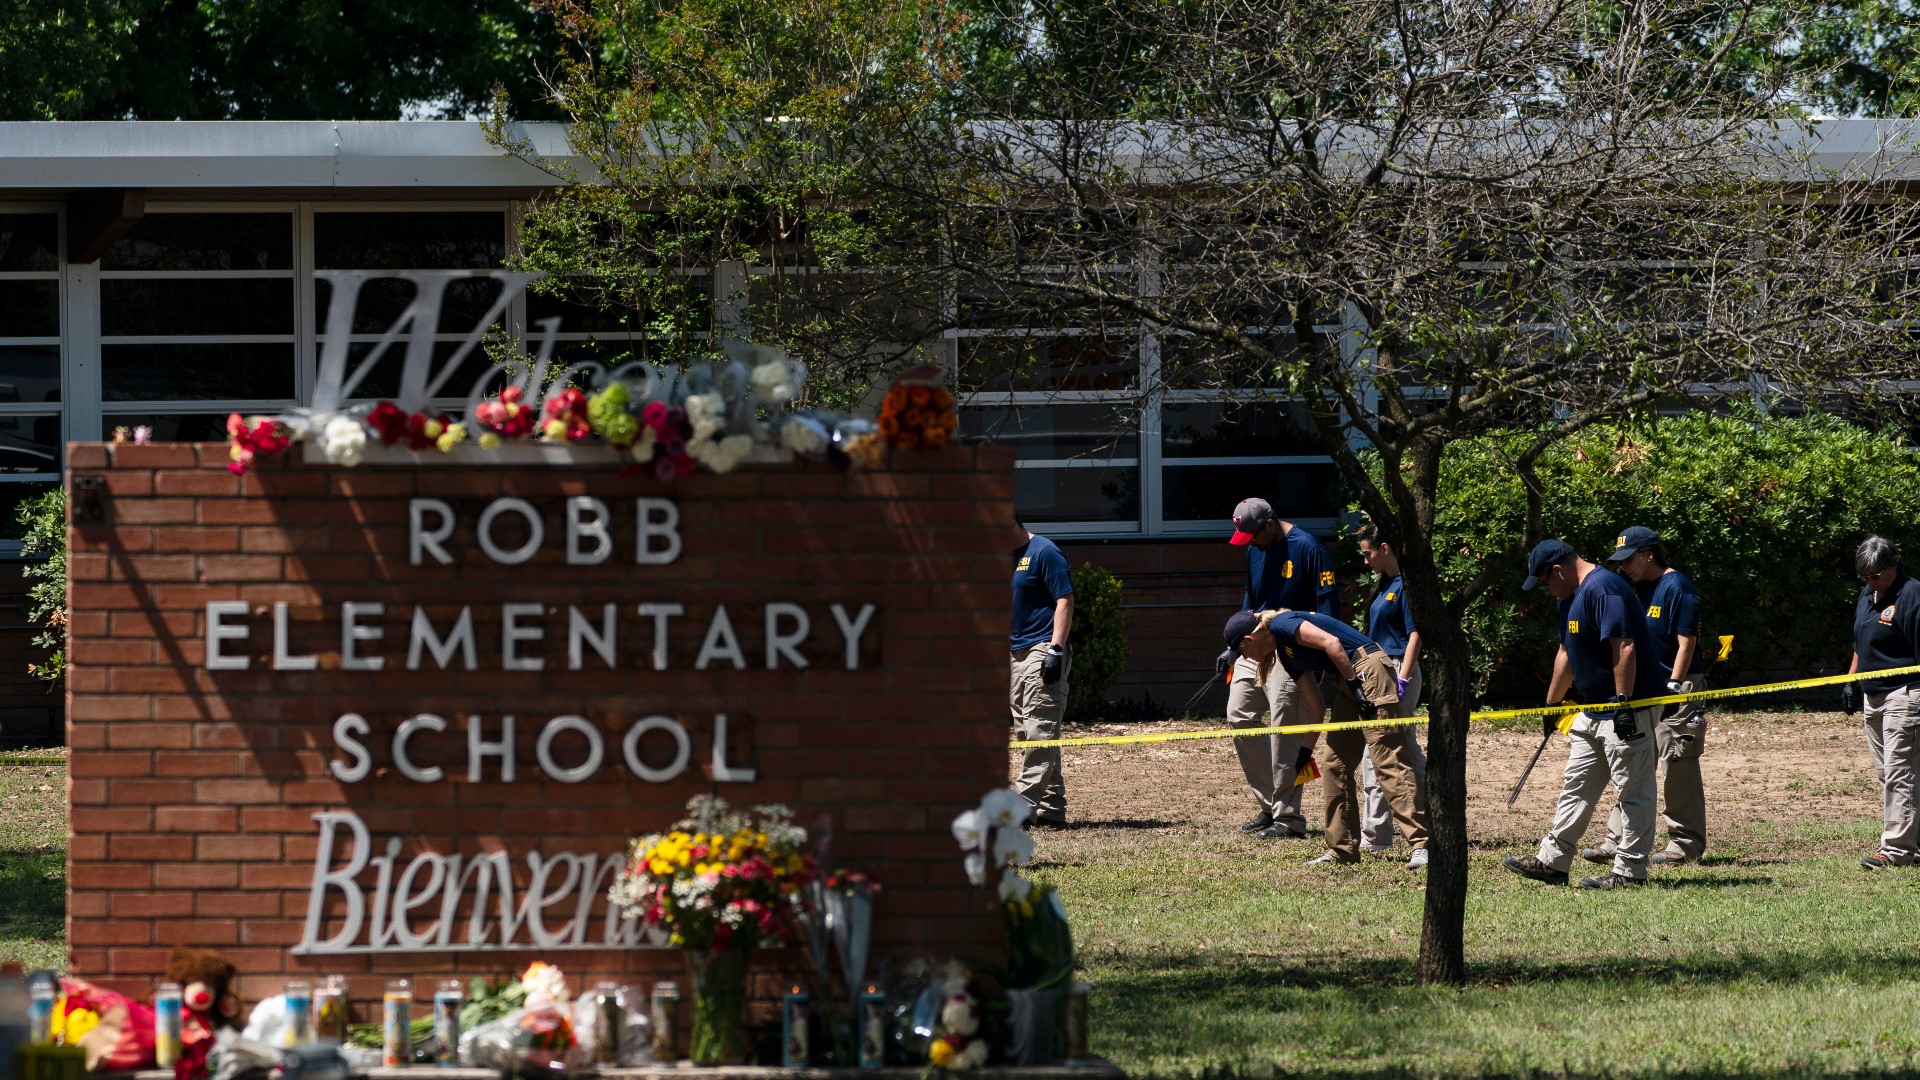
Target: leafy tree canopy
x=268 y=59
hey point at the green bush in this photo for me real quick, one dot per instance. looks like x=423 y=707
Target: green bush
x=43 y=531
x=1762 y=514
x=1099 y=642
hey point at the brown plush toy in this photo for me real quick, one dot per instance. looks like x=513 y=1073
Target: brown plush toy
x=207 y=1003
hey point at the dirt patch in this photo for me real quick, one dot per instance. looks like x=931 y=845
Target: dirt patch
x=1764 y=772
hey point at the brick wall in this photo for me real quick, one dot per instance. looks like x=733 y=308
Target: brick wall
x=1176 y=595
x=193 y=791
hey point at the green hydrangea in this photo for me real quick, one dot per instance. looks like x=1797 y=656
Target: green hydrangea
x=607 y=414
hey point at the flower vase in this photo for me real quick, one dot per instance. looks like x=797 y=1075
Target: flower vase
x=719 y=1028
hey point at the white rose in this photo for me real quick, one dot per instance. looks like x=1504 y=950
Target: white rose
x=344 y=441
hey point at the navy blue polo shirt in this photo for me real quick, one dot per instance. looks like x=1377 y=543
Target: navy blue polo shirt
x=1673 y=609
x=1298 y=658
x=1296 y=574
x=1040 y=577
x=1887 y=635
x=1605 y=607
x=1389 y=619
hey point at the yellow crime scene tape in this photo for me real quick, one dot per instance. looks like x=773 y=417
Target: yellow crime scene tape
x=1496 y=714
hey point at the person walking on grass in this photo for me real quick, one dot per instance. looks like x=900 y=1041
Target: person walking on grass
x=1306 y=644
x=1287 y=567
x=1886 y=634
x=1037 y=688
x=1390 y=625
x=1606 y=656
x=1673 y=617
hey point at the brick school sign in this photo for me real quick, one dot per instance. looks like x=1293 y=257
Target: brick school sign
x=400 y=720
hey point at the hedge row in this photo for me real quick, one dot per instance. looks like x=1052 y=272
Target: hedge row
x=1762 y=513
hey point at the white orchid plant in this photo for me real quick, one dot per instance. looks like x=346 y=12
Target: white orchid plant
x=992 y=838
x=1038 y=938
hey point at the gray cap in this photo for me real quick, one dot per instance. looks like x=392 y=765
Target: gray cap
x=1247 y=519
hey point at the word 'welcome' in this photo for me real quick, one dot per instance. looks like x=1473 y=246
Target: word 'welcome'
x=445 y=888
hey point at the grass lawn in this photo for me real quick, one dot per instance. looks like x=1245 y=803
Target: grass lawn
x=1214 y=954
x=33 y=865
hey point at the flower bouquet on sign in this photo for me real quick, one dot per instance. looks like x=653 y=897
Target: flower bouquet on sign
x=918 y=412
x=525 y=1024
x=721 y=883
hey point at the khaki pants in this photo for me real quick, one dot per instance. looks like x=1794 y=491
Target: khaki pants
x=1376 y=817
x=1037 y=709
x=1267 y=760
x=1892 y=721
x=1385 y=747
x=1679 y=745
x=1596 y=757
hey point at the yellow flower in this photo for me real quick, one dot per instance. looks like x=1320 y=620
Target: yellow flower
x=940 y=1053
x=432 y=429
x=75 y=1026
x=489 y=441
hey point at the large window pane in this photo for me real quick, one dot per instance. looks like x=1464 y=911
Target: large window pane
x=196 y=372
x=384 y=380
x=174 y=242
x=174 y=427
x=29 y=242
x=381 y=301
x=29 y=373
x=1083 y=494
x=1237 y=429
x=409 y=240
x=1061 y=363
x=162 y=306
x=29 y=308
x=1054 y=432
x=1210 y=492
x=30 y=444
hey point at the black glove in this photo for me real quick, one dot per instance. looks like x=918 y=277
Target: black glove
x=1368 y=710
x=1225 y=660
x=1306 y=755
x=1849 y=698
x=1054 y=663
x=1548 y=725
x=1624 y=728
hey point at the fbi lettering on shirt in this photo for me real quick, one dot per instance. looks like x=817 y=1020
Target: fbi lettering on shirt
x=1326 y=578
x=1026 y=562
x=1573 y=626
x=1653 y=611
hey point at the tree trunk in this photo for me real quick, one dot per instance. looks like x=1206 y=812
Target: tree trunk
x=1443 y=926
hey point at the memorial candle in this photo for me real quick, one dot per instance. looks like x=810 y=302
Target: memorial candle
x=793 y=1030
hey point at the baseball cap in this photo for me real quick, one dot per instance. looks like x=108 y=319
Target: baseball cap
x=1239 y=625
x=1247 y=519
x=1546 y=553
x=1632 y=540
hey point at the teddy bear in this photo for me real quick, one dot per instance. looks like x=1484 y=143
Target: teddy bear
x=207 y=1002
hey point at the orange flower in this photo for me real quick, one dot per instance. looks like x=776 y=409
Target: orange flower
x=941 y=398
x=913 y=419
x=889 y=426
x=919 y=395
x=949 y=422
x=935 y=438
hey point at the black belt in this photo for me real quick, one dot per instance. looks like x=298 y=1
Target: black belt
x=1363 y=650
